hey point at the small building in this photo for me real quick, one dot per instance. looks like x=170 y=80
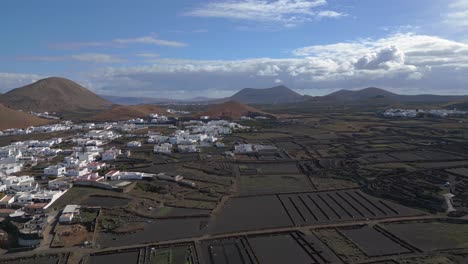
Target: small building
x=163 y=148
x=77 y=172
x=95 y=166
x=69 y=213
x=134 y=144
x=6 y=201
x=111 y=154
x=90 y=177
x=187 y=148
x=112 y=175
x=35 y=209
x=56 y=170
x=243 y=148
x=59 y=184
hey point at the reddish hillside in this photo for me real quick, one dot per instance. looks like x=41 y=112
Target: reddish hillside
x=11 y=118
x=126 y=112
x=53 y=95
x=231 y=110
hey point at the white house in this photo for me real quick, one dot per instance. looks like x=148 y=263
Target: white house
x=42 y=196
x=243 y=148
x=187 y=148
x=59 y=184
x=24 y=186
x=74 y=172
x=113 y=175
x=10 y=168
x=163 y=148
x=134 y=144
x=17 y=181
x=69 y=213
x=95 y=166
x=56 y=170
x=111 y=154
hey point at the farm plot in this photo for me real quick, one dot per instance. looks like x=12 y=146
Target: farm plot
x=376 y=158
x=262 y=184
x=431 y=236
x=168 y=211
x=288 y=145
x=290 y=248
x=269 y=168
x=373 y=242
x=225 y=251
x=171 y=255
x=250 y=213
x=336 y=206
x=159 y=230
x=435 y=155
x=459 y=171
x=105 y=201
x=36 y=259
x=118 y=257
x=408 y=156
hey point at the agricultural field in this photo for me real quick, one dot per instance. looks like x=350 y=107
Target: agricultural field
x=341 y=187
x=335 y=206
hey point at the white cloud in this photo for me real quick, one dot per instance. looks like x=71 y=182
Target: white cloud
x=406 y=61
x=385 y=58
x=329 y=13
x=118 y=43
x=9 y=81
x=287 y=12
x=150 y=40
x=84 y=57
x=148 y=55
x=96 y=58
x=457 y=14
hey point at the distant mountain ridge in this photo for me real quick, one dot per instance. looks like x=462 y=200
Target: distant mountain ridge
x=53 y=94
x=377 y=93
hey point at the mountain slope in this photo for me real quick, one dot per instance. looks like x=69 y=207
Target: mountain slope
x=129 y=100
x=275 y=95
x=383 y=95
x=53 y=95
x=11 y=118
x=231 y=110
x=127 y=112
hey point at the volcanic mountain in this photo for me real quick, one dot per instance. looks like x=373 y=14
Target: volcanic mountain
x=275 y=95
x=53 y=94
x=11 y=118
x=373 y=93
x=127 y=112
x=232 y=110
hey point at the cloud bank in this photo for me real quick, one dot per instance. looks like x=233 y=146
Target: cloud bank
x=402 y=62
x=289 y=13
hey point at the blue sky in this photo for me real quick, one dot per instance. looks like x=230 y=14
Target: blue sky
x=188 y=48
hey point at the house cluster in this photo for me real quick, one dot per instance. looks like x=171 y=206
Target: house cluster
x=45 y=115
x=28 y=206
x=173 y=111
x=152 y=118
x=16 y=155
x=413 y=113
x=196 y=134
